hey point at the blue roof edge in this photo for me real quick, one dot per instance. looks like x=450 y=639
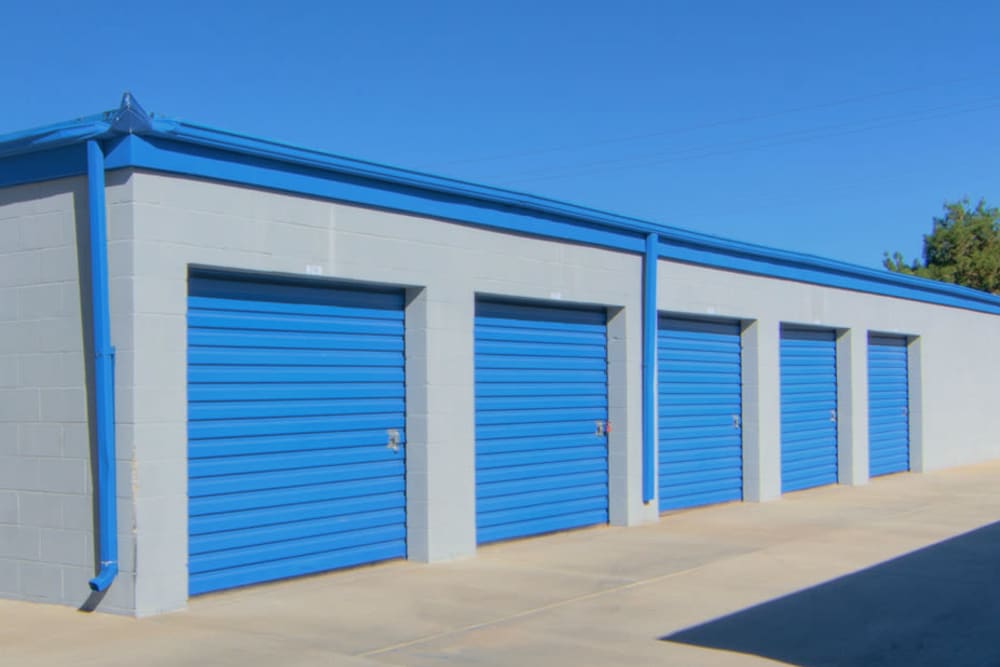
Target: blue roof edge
x=131 y=118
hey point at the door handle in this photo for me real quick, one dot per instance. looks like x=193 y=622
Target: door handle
x=392 y=440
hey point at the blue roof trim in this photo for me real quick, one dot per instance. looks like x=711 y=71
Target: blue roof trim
x=231 y=142
x=129 y=118
x=828 y=273
x=135 y=138
x=53 y=136
x=165 y=155
x=23 y=168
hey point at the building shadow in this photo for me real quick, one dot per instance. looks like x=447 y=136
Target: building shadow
x=936 y=606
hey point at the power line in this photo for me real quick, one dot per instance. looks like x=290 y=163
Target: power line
x=716 y=124
x=756 y=143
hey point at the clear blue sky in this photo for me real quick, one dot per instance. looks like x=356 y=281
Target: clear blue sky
x=835 y=128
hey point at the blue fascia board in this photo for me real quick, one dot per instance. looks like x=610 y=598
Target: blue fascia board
x=165 y=155
x=426 y=185
x=60 y=162
x=827 y=273
x=134 y=138
x=290 y=154
x=52 y=136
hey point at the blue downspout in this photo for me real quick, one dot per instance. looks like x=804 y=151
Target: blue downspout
x=104 y=373
x=649 y=322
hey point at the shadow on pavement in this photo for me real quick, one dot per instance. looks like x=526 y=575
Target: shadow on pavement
x=936 y=606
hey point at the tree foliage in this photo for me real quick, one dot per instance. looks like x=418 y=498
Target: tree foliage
x=962 y=248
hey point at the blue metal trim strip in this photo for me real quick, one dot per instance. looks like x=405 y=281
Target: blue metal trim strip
x=385 y=188
x=76 y=132
x=827 y=273
x=649 y=321
x=44 y=166
x=210 y=153
x=212 y=163
x=229 y=143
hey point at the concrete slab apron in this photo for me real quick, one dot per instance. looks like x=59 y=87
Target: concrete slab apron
x=593 y=597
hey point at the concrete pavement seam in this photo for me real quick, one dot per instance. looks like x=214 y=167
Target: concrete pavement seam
x=533 y=610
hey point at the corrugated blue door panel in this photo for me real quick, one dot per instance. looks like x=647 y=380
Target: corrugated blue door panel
x=700 y=404
x=808 y=408
x=541 y=387
x=888 y=405
x=292 y=391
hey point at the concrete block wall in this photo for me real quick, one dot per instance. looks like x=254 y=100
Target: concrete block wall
x=47 y=550
x=952 y=356
x=176 y=223
x=160 y=226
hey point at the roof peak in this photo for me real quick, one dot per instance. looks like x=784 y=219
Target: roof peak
x=130 y=117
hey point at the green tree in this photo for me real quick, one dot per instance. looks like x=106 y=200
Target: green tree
x=962 y=248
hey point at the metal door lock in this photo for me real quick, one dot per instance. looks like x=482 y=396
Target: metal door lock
x=736 y=421
x=393 y=440
x=833 y=416
x=602 y=427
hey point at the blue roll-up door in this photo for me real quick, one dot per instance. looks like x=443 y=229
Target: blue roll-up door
x=808 y=408
x=541 y=412
x=294 y=393
x=700 y=443
x=888 y=405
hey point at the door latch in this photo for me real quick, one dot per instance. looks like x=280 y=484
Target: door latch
x=736 y=421
x=833 y=416
x=393 y=440
x=601 y=427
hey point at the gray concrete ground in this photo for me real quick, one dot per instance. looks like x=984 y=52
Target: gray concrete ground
x=904 y=571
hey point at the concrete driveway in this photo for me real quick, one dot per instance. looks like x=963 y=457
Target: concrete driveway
x=904 y=571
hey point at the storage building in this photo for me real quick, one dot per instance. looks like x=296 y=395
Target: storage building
x=226 y=361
